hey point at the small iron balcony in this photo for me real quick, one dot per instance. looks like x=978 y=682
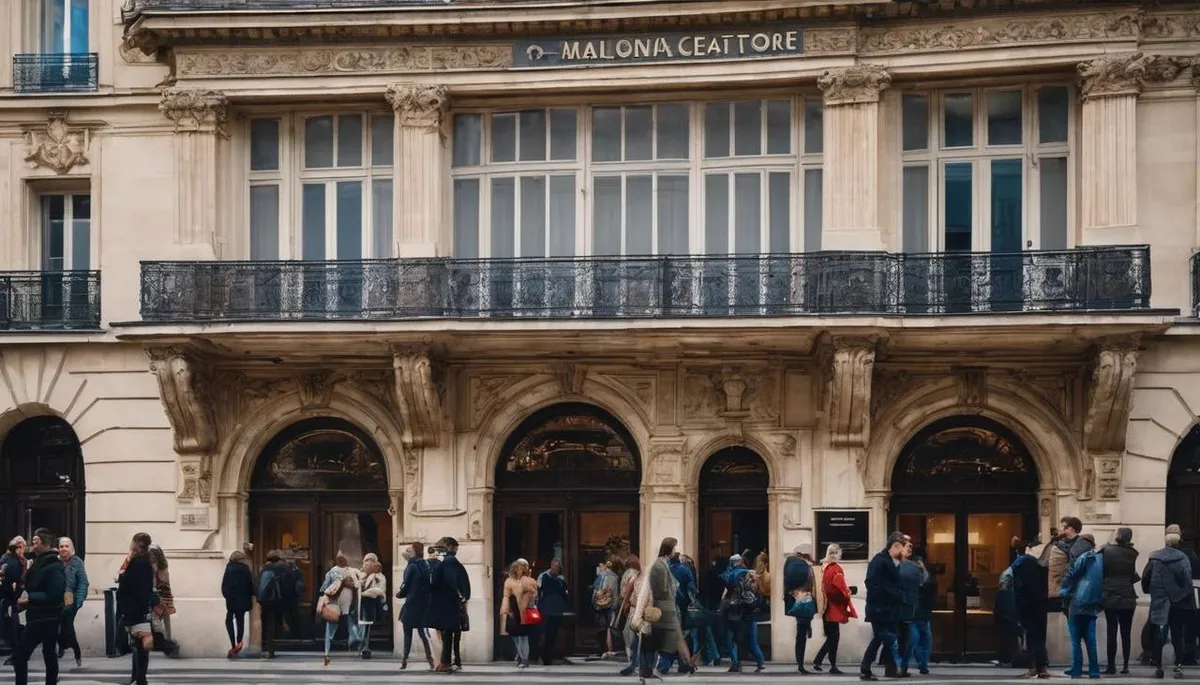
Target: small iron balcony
x=49 y=300
x=55 y=73
x=813 y=284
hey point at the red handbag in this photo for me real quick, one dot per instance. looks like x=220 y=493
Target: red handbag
x=531 y=617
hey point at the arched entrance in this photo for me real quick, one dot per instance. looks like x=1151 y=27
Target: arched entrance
x=566 y=487
x=962 y=488
x=42 y=484
x=734 y=519
x=1183 y=487
x=320 y=488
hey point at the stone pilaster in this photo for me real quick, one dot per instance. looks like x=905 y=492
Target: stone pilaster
x=1110 y=87
x=850 y=196
x=201 y=120
x=421 y=167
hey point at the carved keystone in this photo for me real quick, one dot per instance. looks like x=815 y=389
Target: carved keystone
x=417 y=396
x=186 y=398
x=851 y=362
x=1109 y=396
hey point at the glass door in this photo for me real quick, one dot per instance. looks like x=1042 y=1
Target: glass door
x=935 y=536
x=355 y=534
x=989 y=552
x=289 y=531
x=580 y=631
x=536 y=536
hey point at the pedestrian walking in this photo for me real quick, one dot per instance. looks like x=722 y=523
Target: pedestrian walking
x=372 y=601
x=883 y=604
x=337 y=601
x=42 y=601
x=451 y=588
x=277 y=597
x=414 y=590
x=77 y=590
x=1083 y=591
x=1029 y=590
x=1167 y=578
x=632 y=577
x=922 y=628
x=802 y=598
x=519 y=617
x=165 y=608
x=12 y=583
x=839 y=608
x=237 y=587
x=655 y=616
x=1120 y=599
x=552 y=602
x=737 y=609
x=135 y=603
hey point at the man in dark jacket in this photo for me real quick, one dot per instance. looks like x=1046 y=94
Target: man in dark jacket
x=1029 y=589
x=275 y=608
x=883 y=603
x=451 y=589
x=43 y=604
x=1168 y=581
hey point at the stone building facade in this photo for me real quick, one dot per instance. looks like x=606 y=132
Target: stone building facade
x=543 y=277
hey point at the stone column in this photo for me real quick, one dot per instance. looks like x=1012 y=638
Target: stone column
x=850 y=195
x=201 y=120
x=421 y=165
x=1108 y=173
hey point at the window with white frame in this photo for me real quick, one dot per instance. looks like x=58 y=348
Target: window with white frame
x=648 y=179
x=66 y=232
x=986 y=169
x=62 y=26
x=320 y=186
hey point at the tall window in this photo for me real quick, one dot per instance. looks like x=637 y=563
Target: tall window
x=66 y=232
x=63 y=26
x=671 y=178
x=321 y=186
x=985 y=170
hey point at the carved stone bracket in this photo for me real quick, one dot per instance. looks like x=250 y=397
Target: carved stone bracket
x=196 y=110
x=316 y=389
x=570 y=377
x=1109 y=396
x=972 y=385
x=418 y=396
x=185 y=395
x=1126 y=73
x=1108 y=478
x=857 y=84
x=668 y=460
x=850 y=366
x=420 y=105
x=57 y=145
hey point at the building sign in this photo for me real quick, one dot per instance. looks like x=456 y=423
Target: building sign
x=850 y=529
x=663 y=47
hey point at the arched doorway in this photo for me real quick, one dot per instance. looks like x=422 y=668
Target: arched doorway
x=319 y=488
x=1183 y=487
x=734 y=519
x=566 y=487
x=962 y=488
x=42 y=484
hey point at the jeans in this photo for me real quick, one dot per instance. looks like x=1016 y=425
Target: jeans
x=1033 y=620
x=1083 y=628
x=235 y=627
x=833 y=636
x=1177 y=622
x=331 y=629
x=741 y=632
x=521 y=642
x=37 y=632
x=708 y=648
x=882 y=635
x=408 y=634
x=803 y=628
x=1118 y=620
x=920 y=645
x=272 y=616
x=66 y=631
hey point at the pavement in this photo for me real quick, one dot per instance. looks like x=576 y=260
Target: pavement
x=307 y=669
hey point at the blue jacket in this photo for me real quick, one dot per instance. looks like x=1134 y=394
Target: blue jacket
x=77 y=581
x=1084 y=585
x=883 y=590
x=1029 y=586
x=414 y=590
x=552 y=594
x=909 y=575
x=687 y=583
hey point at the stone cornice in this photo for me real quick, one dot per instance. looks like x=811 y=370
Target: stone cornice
x=186 y=395
x=1126 y=73
x=861 y=83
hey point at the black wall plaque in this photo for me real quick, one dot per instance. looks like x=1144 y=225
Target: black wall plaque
x=850 y=529
x=702 y=46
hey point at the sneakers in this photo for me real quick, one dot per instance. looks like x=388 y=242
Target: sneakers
x=1178 y=673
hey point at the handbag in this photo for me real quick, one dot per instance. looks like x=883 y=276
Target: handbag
x=652 y=614
x=804 y=608
x=531 y=617
x=329 y=611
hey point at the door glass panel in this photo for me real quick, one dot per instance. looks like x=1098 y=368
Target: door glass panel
x=989 y=541
x=958 y=116
x=934 y=536
x=596 y=531
x=1004 y=117
x=958 y=196
x=289 y=532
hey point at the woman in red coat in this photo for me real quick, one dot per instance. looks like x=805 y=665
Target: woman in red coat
x=838 y=607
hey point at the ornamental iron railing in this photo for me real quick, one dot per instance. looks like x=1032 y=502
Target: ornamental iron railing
x=821 y=283
x=49 y=300
x=1196 y=285
x=55 y=73
x=136 y=8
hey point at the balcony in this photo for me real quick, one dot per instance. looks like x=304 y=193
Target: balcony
x=1095 y=279
x=55 y=73
x=49 y=300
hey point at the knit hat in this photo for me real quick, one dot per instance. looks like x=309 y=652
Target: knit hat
x=803 y=548
x=1174 y=529
x=735 y=558
x=1174 y=535
x=1124 y=535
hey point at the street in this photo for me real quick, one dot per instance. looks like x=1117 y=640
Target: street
x=307 y=669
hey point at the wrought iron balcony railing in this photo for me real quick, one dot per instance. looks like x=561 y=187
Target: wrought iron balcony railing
x=137 y=8
x=822 y=283
x=55 y=73
x=49 y=300
x=1196 y=285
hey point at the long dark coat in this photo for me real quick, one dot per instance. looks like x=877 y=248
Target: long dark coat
x=450 y=587
x=237 y=587
x=414 y=590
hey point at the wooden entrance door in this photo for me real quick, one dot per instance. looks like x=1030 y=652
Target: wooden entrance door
x=41 y=480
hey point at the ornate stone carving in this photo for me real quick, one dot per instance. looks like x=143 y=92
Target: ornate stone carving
x=889 y=386
x=185 y=395
x=855 y=84
x=189 y=487
x=639 y=388
x=1109 y=396
x=196 y=110
x=1108 y=489
x=204 y=481
x=418 y=396
x=316 y=389
x=829 y=41
x=850 y=366
x=57 y=146
x=419 y=105
x=475 y=528
x=972 y=385
x=1167 y=27
x=134 y=54
x=485 y=391
x=412 y=475
x=570 y=377
x=985 y=32
x=1051 y=389
x=1126 y=73
x=701 y=398
x=787 y=446
x=1046 y=507
x=365 y=60
x=732 y=392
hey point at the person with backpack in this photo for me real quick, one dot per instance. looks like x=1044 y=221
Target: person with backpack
x=737 y=608
x=276 y=589
x=801 y=598
x=1082 y=590
x=1029 y=589
x=237 y=587
x=1167 y=578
